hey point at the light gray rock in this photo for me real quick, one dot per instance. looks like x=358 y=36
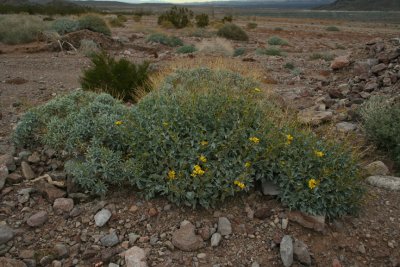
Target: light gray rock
x=346 y=127
x=102 y=217
x=133 y=238
x=8 y=161
x=216 y=239
x=113 y=265
x=6 y=234
x=63 y=204
x=110 y=240
x=314 y=117
x=286 y=250
x=3 y=175
x=185 y=238
x=224 y=226
x=255 y=264
x=385 y=182
x=27 y=171
x=269 y=188
x=135 y=257
x=38 y=219
x=376 y=168
x=301 y=253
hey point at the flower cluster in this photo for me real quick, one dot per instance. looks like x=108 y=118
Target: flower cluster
x=289 y=139
x=171 y=175
x=197 y=170
x=312 y=183
x=118 y=122
x=319 y=154
x=254 y=140
x=239 y=184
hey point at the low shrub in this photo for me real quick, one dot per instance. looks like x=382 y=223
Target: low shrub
x=228 y=18
x=94 y=23
x=20 y=29
x=278 y=29
x=202 y=20
x=116 y=22
x=88 y=47
x=178 y=16
x=186 y=49
x=120 y=78
x=239 y=51
x=324 y=56
x=171 y=41
x=63 y=26
x=233 y=32
x=289 y=66
x=215 y=47
x=275 y=40
x=200 y=32
x=380 y=117
x=270 y=51
x=137 y=18
x=251 y=25
x=332 y=29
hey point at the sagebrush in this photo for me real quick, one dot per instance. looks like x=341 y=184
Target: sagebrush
x=178 y=16
x=233 y=32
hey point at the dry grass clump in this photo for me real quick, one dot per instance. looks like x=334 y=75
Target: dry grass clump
x=20 y=29
x=216 y=47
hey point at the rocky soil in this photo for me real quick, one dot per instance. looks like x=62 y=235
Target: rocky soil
x=44 y=221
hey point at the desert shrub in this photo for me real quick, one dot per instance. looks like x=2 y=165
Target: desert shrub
x=275 y=40
x=270 y=51
x=324 y=56
x=278 y=29
x=172 y=41
x=186 y=49
x=332 y=29
x=228 y=18
x=178 y=16
x=88 y=47
x=94 y=23
x=202 y=20
x=289 y=66
x=63 y=26
x=215 y=47
x=200 y=32
x=239 y=51
x=251 y=25
x=20 y=29
x=217 y=24
x=380 y=117
x=137 y=18
x=120 y=78
x=233 y=32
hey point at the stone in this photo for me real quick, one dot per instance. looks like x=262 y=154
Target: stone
x=135 y=257
x=346 y=127
x=336 y=263
x=262 y=213
x=385 y=182
x=301 y=253
x=3 y=175
x=216 y=239
x=102 y=217
x=205 y=233
x=110 y=240
x=113 y=265
x=50 y=192
x=340 y=62
x=34 y=157
x=335 y=93
x=370 y=86
x=56 y=263
x=378 y=68
x=133 y=238
x=224 y=226
x=285 y=223
x=314 y=117
x=6 y=234
x=63 y=204
x=61 y=251
x=185 y=238
x=14 y=178
x=27 y=254
x=8 y=161
x=202 y=257
x=376 y=168
x=286 y=251
x=6 y=262
x=316 y=223
x=76 y=211
x=38 y=219
x=27 y=171
x=269 y=188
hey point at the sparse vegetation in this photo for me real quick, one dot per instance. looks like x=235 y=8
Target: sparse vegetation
x=324 y=56
x=228 y=18
x=251 y=25
x=160 y=38
x=275 y=40
x=289 y=66
x=94 y=23
x=64 y=25
x=119 y=78
x=186 y=49
x=270 y=51
x=332 y=29
x=202 y=20
x=239 y=51
x=216 y=47
x=233 y=32
x=88 y=47
x=118 y=21
x=177 y=16
x=20 y=29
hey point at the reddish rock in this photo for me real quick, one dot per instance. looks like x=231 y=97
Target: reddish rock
x=63 y=204
x=262 y=213
x=336 y=263
x=38 y=219
x=340 y=63
x=185 y=238
x=316 y=223
x=153 y=212
x=205 y=233
x=50 y=192
x=6 y=262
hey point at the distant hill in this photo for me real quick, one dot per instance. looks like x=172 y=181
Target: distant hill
x=364 y=5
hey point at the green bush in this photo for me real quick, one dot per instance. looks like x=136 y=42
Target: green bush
x=324 y=56
x=380 y=117
x=251 y=25
x=186 y=49
x=120 y=78
x=202 y=20
x=278 y=29
x=94 y=23
x=172 y=41
x=88 y=47
x=275 y=40
x=63 y=26
x=178 y=16
x=232 y=32
x=228 y=18
x=270 y=51
x=239 y=52
x=332 y=29
x=289 y=66
x=20 y=29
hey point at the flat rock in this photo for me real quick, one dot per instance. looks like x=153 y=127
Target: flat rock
x=316 y=223
x=346 y=127
x=135 y=257
x=224 y=226
x=314 y=117
x=50 y=192
x=269 y=188
x=215 y=239
x=376 y=168
x=38 y=219
x=110 y=240
x=286 y=251
x=27 y=171
x=8 y=161
x=340 y=62
x=6 y=234
x=102 y=217
x=378 y=68
x=385 y=182
x=185 y=238
x=63 y=204
x=301 y=253
x=6 y=262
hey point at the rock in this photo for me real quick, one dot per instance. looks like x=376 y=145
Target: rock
x=370 y=86
x=135 y=257
x=263 y=213
x=8 y=161
x=346 y=127
x=286 y=251
x=24 y=194
x=336 y=263
x=185 y=238
x=6 y=234
x=56 y=263
x=50 y=192
x=76 y=211
x=34 y=158
x=133 y=238
x=205 y=233
x=224 y=226
x=14 y=178
x=38 y=219
x=109 y=240
x=378 y=68
x=61 y=251
x=63 y=204
x=316 y=223
x=314 y=117
x=27 y=171
x=385 y=182
x=3 y=175
x=340 y=62
x=269 y=188
x=202 y=257
x=285 y=223
x=113 y=265
x=301 y=253
x=102 y=217
x=335 y=93
x=27 y=254
x=215 y=239
x=6 y=262
x=376 y=168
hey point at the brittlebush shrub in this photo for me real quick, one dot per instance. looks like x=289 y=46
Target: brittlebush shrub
x=20 y=29
x=202 y=137
x=233 y=32
x=63 y=26
x=94 y=23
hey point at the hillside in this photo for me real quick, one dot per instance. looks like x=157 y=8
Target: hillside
x=364 y=5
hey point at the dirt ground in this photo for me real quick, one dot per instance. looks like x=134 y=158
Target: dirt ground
x=369 y=239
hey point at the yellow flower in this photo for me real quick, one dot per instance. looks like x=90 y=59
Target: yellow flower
x=197 y=170
x=312 y=183
x=254 y=139
x=171 y=174
x=165 y=124
x=203 y=158
x=247 y=164
x=289 y=139
x=239 y=184
x=118 y=122
x=203 y=143
x=257 y=90
x=319 y=154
